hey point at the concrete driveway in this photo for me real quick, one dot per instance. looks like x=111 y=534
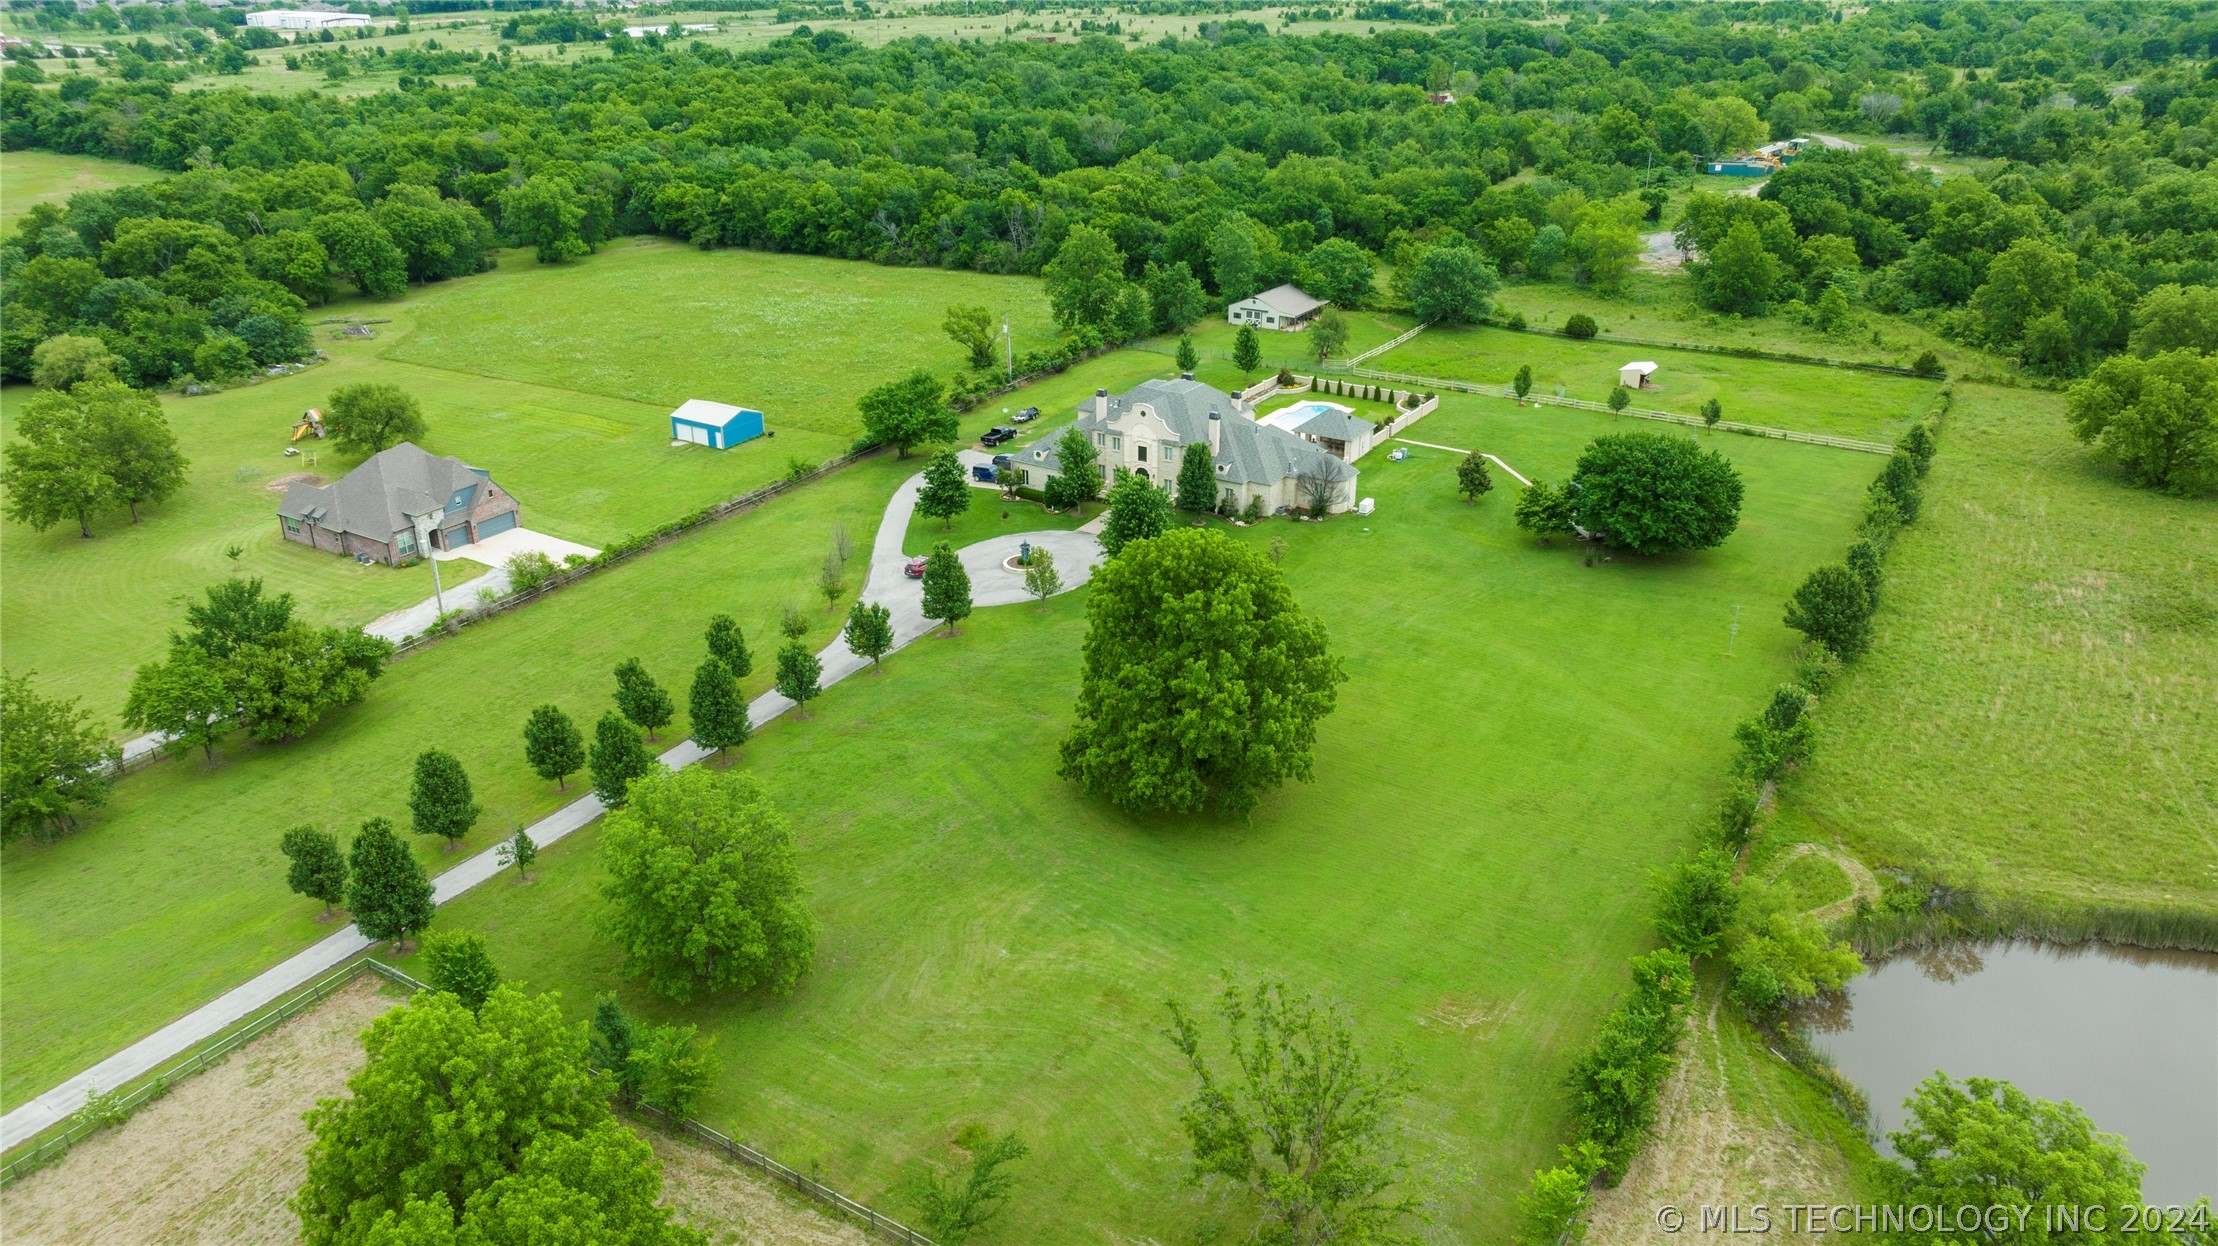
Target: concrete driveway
x=494 y=551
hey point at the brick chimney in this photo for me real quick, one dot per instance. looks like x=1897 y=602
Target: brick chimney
x=1216 y=433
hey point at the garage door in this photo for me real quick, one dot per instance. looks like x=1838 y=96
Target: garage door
x=694 y=433
x=497 y=524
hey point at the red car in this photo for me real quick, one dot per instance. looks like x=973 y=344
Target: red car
x=915 y=569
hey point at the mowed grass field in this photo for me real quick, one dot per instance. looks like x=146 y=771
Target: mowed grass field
x=1521 y=739
x=1660 y=307
x=559 y=381
x=30 y=178
x=1592 y=703
x=2038 y=715
x=175 y=891
x=1813 y=399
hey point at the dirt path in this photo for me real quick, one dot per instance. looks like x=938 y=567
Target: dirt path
x=1719 y=1139
x=216 y=1160
x=1861 y=881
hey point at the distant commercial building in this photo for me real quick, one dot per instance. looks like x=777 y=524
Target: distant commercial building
x=305 y=19
x=691 y=28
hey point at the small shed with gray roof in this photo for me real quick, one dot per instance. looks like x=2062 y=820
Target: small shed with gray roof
x=1148 y=429
x=374 y=510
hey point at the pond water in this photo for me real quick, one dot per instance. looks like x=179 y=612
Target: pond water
x=2130 y=1036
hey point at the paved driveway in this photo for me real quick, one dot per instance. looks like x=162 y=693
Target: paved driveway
x=494 y=551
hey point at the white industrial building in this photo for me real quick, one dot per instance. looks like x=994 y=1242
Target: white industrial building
x=305 y=19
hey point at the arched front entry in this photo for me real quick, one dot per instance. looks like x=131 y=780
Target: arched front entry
x=1141 y=472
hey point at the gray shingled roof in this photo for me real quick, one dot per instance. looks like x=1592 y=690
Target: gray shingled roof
x=1290 y=301
x=375 y=499
x=1247 y=452
x=1334 y=425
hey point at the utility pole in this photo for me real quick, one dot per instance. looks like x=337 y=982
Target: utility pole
x=425 y=523
x=1008 y=348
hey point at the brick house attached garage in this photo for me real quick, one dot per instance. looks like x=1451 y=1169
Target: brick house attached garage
x=372 y=510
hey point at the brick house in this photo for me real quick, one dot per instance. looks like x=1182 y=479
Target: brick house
x=372 y=510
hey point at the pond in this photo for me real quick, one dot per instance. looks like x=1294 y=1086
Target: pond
x=2131 y=1036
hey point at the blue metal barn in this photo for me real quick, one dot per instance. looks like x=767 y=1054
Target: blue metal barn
x=719 y=426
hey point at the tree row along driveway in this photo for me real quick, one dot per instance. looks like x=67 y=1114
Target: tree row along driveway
x=992 y=584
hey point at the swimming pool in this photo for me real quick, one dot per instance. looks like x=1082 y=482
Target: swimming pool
x=1291 y=417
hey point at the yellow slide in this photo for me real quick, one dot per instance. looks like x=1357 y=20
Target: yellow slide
x=299 y=431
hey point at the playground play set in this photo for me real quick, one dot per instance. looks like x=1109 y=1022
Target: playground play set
x=311 y=421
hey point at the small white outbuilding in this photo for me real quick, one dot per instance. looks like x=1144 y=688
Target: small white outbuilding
x=1635 y=375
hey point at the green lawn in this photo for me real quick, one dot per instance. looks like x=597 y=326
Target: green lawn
x=989 y=516
x=1835 y=401
x=2035 y=716
x=997 y=949
x=175 y=891
x=30 y=178
x=569 y=411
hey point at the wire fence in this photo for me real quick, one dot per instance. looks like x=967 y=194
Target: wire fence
x=1644 y=413
x=114 y=1112
x=110 y=1112
x=625 y=549
x=1711 y=348
x=886 y=1227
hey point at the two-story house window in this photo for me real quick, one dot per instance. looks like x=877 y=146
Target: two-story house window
x=1140 y=448
x=1116 y=443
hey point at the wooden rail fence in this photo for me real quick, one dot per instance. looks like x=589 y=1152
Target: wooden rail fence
x=1644 y=413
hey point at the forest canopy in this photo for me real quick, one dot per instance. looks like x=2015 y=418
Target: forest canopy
x=1236 y=154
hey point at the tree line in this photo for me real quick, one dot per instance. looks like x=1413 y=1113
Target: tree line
x=1251 y=158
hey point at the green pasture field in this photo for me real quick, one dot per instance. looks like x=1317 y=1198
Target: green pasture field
x=30 y=178
x=996 y=948
x=937 y=838
x=1660 y=307
x=1812 y=399
x=659 y=322
x=534 y=373
x=2034 y=718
